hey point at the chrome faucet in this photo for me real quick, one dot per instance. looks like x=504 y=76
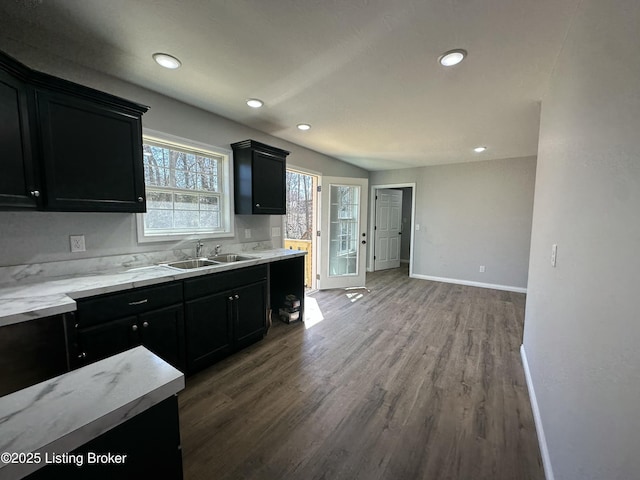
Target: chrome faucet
x=217 y=250
x=199 y=246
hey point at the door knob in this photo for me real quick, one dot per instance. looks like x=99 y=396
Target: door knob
x=145 y=324
x=134 y=328
x=363 y=242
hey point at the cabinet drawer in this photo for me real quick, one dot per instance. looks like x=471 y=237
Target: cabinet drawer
x=132 y=302
x=218 y=282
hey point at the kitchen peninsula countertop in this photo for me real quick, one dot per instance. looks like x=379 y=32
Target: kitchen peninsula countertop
x=65 y=412
x=20 y=303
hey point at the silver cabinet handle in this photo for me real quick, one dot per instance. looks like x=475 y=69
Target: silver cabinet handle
x=236 y=296
x=140 y=199
x=35 y=193
x=231 y=299
x=258 y=205
x=134 y=328
x=145 y=324
x=82 y=355
x=139 y=302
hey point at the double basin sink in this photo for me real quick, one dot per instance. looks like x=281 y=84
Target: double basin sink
x=209 y=262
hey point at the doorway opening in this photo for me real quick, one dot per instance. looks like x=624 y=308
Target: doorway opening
x=391 y=226
x=300 y=223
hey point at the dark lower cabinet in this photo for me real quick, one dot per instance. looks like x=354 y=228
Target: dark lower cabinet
x=110 y=324
x=148 y=446
x=31 y=352
x=250 y=305
x=161 y=331
x=101 y=341
x=208 y=324
x=223 y=313
x=287 y=278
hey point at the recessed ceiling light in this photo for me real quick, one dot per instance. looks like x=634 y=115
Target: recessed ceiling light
x=304 y=126
x=479 y=149
x=255 y=103
x=167 y=61
x=452 y=57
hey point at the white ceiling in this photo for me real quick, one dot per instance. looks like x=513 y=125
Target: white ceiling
x=363 y=73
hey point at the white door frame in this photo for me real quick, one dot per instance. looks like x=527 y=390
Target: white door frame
x=315 y=246
x=327 y=281
x=372 y=222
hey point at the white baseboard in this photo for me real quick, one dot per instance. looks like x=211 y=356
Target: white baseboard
x=542 y=441
x=470 y=283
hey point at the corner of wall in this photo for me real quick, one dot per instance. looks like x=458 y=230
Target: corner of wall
x=542 y=441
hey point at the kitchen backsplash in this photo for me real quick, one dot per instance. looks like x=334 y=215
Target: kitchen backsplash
x=34 y=272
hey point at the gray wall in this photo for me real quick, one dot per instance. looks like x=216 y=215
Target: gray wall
x=471 y=214
x=33 y=237
x=582 y=328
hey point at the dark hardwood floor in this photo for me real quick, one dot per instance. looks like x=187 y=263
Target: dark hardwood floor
x=411 y=379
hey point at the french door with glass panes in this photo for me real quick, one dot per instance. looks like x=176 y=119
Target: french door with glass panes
x=343 y=237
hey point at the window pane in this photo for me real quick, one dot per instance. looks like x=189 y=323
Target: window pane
x=209 y=219
x=158 y=220
x=209 y=203
x=157 y=200
x=186 y=201
x=185 y=219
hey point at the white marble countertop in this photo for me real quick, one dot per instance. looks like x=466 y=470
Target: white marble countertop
x=21 y=303
x=67 y=411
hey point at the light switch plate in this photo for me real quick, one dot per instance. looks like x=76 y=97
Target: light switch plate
x=247 y=233
x=275 y=231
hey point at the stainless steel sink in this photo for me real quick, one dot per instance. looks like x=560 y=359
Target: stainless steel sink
x=230 y=257
x=195 y=263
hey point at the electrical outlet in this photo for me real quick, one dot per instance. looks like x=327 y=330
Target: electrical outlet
x=554 y=254
x=247 y=233
x=481 y=268
x=77 y=243
x=417 y=226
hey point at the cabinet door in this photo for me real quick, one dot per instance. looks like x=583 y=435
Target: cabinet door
x=208 y=329
x=102 y=341
x=162 y=332
x=269 y=177
x=92 y=155
x=31 y=352
x=250 y=303
x=17 y=181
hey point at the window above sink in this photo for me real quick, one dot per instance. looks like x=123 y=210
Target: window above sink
x=188 y=189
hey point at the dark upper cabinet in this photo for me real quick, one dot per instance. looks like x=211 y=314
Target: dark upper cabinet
x=18 y=186
x=259 y=178
x=91 y=155
x=66 y=147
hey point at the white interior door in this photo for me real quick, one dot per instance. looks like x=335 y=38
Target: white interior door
x=388 y=229
x=343 y=232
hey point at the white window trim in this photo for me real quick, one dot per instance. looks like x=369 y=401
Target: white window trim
x=227 y=189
